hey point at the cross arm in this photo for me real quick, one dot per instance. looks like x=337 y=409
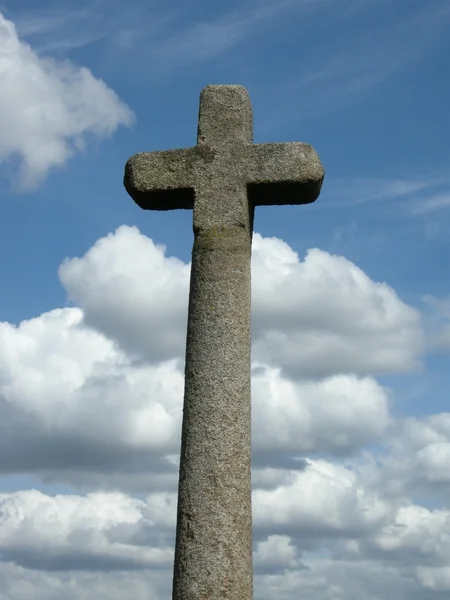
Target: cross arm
x=162 y=180
x=284 y=173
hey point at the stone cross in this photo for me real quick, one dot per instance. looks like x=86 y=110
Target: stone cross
x=222 y=179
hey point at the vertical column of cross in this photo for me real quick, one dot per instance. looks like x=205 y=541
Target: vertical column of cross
x=213 y=554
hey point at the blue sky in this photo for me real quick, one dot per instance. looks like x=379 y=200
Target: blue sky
x=85 y=85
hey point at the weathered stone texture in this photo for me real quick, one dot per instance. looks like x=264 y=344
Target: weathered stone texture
x=222 y=178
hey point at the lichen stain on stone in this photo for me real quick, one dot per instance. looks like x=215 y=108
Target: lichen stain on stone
x=216 y=232
x=228 y=239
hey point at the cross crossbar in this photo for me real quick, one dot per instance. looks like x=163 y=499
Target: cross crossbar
x=273 y=174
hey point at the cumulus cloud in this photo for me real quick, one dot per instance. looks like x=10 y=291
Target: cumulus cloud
x=338 y=414
x=18 y=583
x=417 y=457
x=313 y=318
x=321 y=500
x=275 y=554
x=47 y=107
x=95 y=393
x=324 y=315
x=75 y=408
x=330 y=576
x=91 y=395
x=133 y=293
x=312 y=533
x=70 y=400
x=416 y=531
x=436 y=579
x=76 y=533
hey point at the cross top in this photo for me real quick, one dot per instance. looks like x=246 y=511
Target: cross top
x=225 y=115
x=225 y=175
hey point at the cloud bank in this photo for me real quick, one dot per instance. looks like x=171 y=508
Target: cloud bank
x=91 y=398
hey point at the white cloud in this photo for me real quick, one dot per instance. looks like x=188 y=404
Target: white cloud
x=434 y=578
x=75 y=409
x=433 y=460
x=315 y=534
x=276 y=553
x=314 y=318
x=17 y=583
x=132 y=292
x=325 y=316
x=74 y=532
x=92 y=396
x=338 y=414
x=417 y=457
x=47 y=107
x=417 y=531
x=72 y=403
x=67 y=375
x=321 y=500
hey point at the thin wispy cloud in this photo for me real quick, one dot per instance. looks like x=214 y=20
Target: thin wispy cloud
x=167 y=39
x=146 y=35
x=351 y=66
x=59 y=29
x=360 y=190
x=404 y=196
x=173 y=34
x=437 y=323
x=432 y=204
x=440 y=305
